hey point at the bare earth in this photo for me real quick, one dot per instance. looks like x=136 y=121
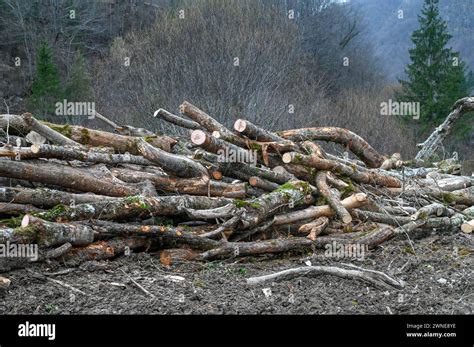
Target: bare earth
x=438 y=274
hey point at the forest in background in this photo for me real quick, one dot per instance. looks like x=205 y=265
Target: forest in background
x=281 y=64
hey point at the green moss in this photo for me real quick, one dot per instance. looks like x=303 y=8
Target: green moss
x=138 y=201
x=12 y=222
x=321 y=201
x=348 y=190
x=243 y=203
x=448 y=198
x=149 y=138
x=408 y=249
x=62 y=129
x=304 y=187
x=52 y=214
x=85 y=136
x=255 y=147
x=298 y=157
x=285 y=186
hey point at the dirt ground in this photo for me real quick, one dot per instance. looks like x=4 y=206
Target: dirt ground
x=437 y=272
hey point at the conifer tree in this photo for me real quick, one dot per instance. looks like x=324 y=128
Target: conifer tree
x=436 y=74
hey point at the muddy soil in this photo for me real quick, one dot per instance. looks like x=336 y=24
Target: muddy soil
x=437 y=272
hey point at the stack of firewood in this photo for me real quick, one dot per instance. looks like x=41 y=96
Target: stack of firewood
x=84 y=194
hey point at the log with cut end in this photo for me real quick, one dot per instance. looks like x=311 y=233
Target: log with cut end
x=353 y=201
x=369 y=177
x=49 y=133
x=166 y=236
x=133 y=207
x=314 y=228
x=176 y=120
x=36 y=230
x=347 y=138
x=210 y=124
x=177 y=255
x=47 y=198
x=104 y=249
x=179 y=165
x=227 y=152
x=64 y=176
x=99 y=138
x=71 y=153
x=13 y=209
x=259 y=182
x=256 y=133
x=333 y=200
x=192 y=186
x=468 y=227
x=433 y=209
x=291 y=195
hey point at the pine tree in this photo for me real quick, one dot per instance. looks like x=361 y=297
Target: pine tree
x=436 y=75
x=46 y=89
x=78 y=86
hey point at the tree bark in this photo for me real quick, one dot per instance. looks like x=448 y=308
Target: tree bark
x=179 y=165
x=47 y=198
x=210 y=123
x=430 y=145
x=354 y=201
x=44 y=233
x=350 y=140
x=192 y=186
x=369 y=177
x=64 y=176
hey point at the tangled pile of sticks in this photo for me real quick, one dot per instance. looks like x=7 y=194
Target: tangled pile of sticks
x=84 y=194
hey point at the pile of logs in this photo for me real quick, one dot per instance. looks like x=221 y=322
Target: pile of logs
x=84 y=194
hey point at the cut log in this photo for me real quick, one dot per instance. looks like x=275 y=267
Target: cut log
x=468 y=227
x=71 y=153
x=353 y=201
x=210 y=124
x=179 y=165
x=47 y=132
x=47 y=198
x=332 y=200
x=13 y=209
x=227 y=152
x=104 y=249
x=133 y=207
x=173 y=119
x=35 y=230
x=166 y=236
x=314 y=228
x=369 y=177
x=433 y=209
x=64 y=176
x=59 y=251
x=258 y=182
x=192 y=186
x=121 y=143
x=177 y=255
x=351 y=141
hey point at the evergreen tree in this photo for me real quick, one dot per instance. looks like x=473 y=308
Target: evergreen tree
x=436 y=75
x=46 y=89
x=78 y=86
